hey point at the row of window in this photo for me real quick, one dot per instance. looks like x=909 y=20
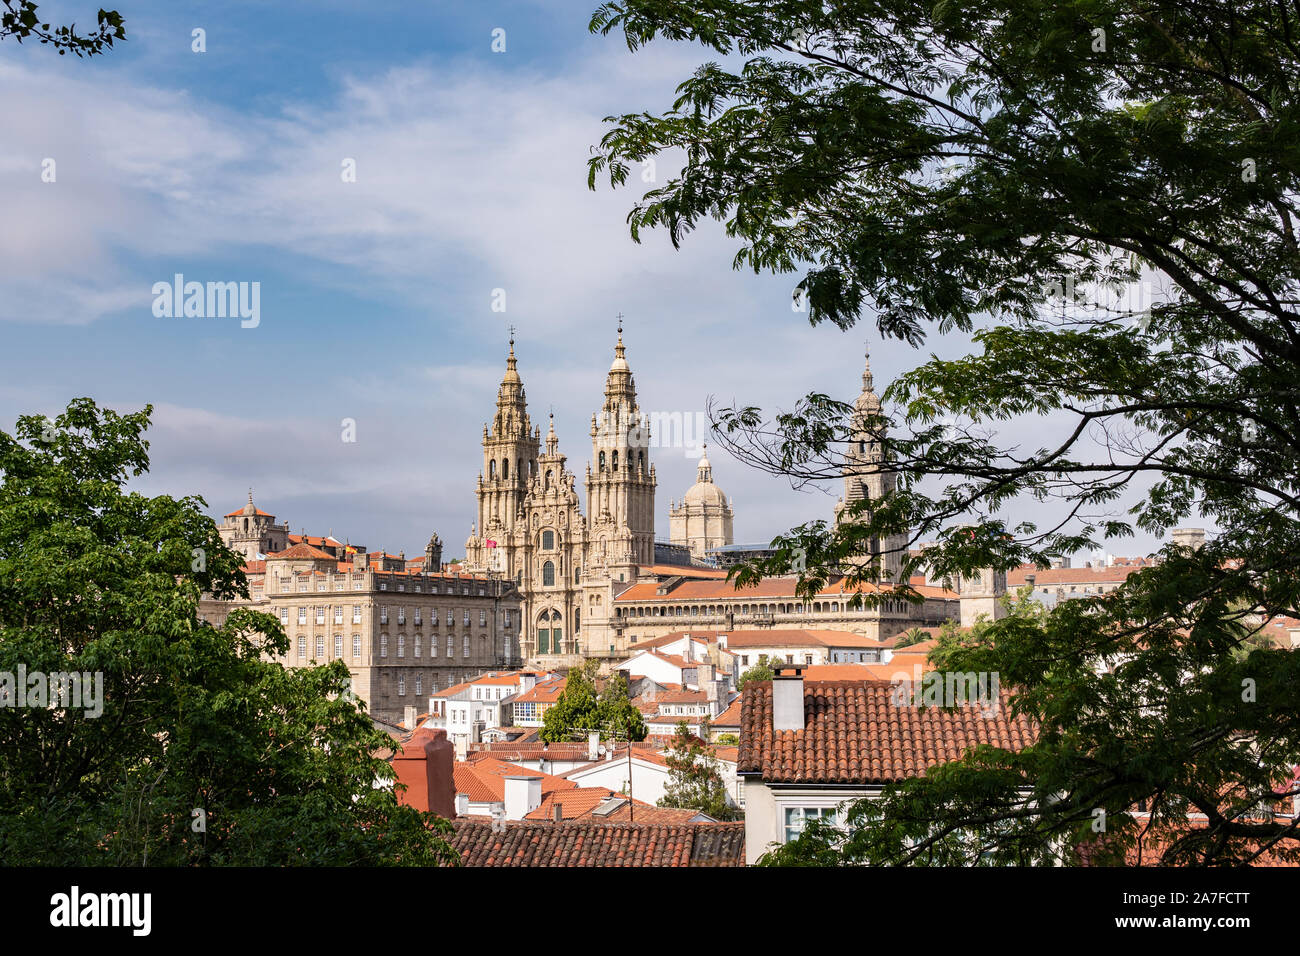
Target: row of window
x=320 y=612
x=358 y=581
x=695 y=610
x=416 y=646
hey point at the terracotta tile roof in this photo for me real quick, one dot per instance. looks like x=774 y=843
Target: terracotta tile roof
x=686 y=571
x=1052 y=577
x=783 y=587
x=491 y=773
x=589 y=843
x=731 y=716
x=767 y=637
x=509 y=750
x=682 y=697
x=254 y=567
x=575 y=803
x=854 y=733
x=476 y=787
x=543 y=692
x=902 y=667
x=305 y=551
x=240 y=512
x=648 y=814
x=313 y=540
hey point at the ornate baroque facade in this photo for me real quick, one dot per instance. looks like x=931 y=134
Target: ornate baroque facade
x=531 y=529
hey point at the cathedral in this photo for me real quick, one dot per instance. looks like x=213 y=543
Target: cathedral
x=531 y=528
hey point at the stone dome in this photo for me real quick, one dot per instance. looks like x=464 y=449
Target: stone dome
x=704 y=491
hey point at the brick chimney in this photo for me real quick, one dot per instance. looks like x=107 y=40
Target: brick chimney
x=425 y=765
x=787 y=697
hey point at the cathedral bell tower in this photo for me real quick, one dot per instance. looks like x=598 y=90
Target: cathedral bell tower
x=620 y=477
x=510 y=449
x=867 y=477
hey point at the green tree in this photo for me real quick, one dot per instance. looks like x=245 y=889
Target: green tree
x=694 y=777
x=1103 y=196
x=913 y=635
x=200 y=750
x=19 y=20
x=760 y=671
x=582 y=706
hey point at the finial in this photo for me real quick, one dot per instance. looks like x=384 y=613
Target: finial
x=512 y=336
x=866 y=373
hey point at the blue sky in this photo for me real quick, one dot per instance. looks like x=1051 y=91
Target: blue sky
x=375 y=294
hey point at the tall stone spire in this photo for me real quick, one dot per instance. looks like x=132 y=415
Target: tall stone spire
x=621 y=481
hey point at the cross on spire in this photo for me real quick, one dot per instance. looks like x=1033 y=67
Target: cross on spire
x=512 y=335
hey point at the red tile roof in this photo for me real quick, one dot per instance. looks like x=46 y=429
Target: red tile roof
x=1052 y=577
x=543 y=692
x=854 y=733
x=591 y=843
x=768 y=637
x=305 y=551
x=575 y=803
x=239 y=513
x=729 y=717
x=491 y=775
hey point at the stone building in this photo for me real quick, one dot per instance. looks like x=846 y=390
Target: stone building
x=867 y=477
x=404 y=632
x=702 y=520
x=253 y=532
x=531 y=529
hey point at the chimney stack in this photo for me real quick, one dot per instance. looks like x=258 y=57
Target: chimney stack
x=787 y=697
x=557 y=812
x=523 y=796
x=593 y=745
x=411 y=712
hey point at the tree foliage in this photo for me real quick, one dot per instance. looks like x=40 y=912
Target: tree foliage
x=205 y=752
x=1103 y=196
x=760 y=671
x=583 y=706
x=19 y=20
x=694 y=777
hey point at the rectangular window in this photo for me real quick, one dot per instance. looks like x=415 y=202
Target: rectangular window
x=482 y=618
x=433 y=645
x=383 y=614
x=796 y=817
x=284 y=616
x=338 y=614
x=383 y=645
x=450 y=642
x=356 y=614
x=744 y=660
x=506 y=620
x=401 y=645
x=356 y=646
x=302 y=648
x=383 y=585
x=401 y=587
x=417 y=617
x=419 y=684
x=401 y=615
x=302 y=615
x=320 y=648
x=807 y=659
x=338 y=645
x=451 y=619
x=401 y=686
x=417 y=645
x=320 y=614
x=465 y=647
x=467 y=617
